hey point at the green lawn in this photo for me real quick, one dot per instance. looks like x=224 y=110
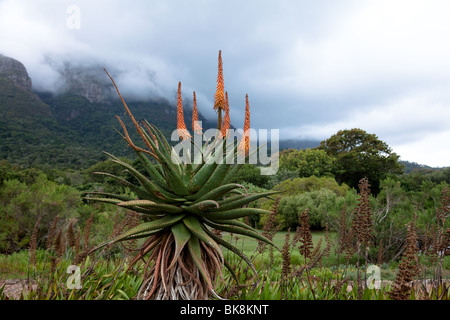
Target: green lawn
x=248 y=245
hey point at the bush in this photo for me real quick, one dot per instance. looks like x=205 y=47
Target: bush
x=22 y=204
x=301 y=185
x=321 y=203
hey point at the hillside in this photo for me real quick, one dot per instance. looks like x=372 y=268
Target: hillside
x=70 y=128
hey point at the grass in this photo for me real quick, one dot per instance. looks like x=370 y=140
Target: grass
x=109 y=281
x=249 y=245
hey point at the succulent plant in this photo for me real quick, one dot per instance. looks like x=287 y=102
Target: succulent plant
x=187 y=205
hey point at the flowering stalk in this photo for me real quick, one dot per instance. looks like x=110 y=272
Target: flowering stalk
x=195 y=125
x=244 y=145
x=226 y=120
x=219 y=98
x=181 y=126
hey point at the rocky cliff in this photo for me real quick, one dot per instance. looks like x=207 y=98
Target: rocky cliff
x=89 y=82
x=14 y=71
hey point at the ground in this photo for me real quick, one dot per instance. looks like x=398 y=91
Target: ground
x=13 y=288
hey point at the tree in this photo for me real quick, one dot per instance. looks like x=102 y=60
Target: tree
x=359 y=154
x=308 y=162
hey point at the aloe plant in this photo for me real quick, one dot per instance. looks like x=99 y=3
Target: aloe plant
x=185 y=205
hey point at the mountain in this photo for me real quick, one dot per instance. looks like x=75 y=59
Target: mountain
x=299 y=144
x=71 y=128
x=71 y=125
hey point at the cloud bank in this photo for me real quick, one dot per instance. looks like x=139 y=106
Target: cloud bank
x=310 y=67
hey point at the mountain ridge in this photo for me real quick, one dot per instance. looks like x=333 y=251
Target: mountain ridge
x=71 y=127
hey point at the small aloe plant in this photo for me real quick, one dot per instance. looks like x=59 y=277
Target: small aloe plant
x=185 y=205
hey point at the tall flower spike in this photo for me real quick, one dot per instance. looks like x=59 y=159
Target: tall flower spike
x=195 y=125
x=219 y=98
x=244 y=145
x=181 y=126
x=226 y=120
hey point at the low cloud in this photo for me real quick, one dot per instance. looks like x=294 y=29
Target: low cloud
x=310 y=68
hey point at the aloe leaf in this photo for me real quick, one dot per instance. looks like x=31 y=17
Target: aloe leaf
x=181 y=235
x=159 y=136
x=219 y=192
x=233 y=249
x=196 y=228
x=144 y=229
x=233 y=213
x=228 y=266
x=241 y=202
x=231 y=198
x=137 y=235
x=111 y=195
x=173 y=171
x=198 y=157
x=200 y=178
x=152 y=171
x=206 y=171
x=233 y=222
x=151 y=206
x=232 y=173
x=201 y=206
x=196 y=254
x=146 y=183
x=137 y=202
x=215 y=180
x=220 y=171
x=244 y=231
x=164 y=222
x=134 y=188
x=106 y=200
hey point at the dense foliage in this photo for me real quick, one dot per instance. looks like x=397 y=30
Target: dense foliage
x=360 y=154
x=66 y=130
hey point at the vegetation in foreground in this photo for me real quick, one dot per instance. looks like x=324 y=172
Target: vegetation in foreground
x=403 y=225
x=312 y=265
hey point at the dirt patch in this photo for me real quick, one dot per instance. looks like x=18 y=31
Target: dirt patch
x=12 y=289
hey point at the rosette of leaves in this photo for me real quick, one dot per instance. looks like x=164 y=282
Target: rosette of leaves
x=185 y=205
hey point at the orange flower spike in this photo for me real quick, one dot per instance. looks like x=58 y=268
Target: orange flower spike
x=181 y=126
x=195 y=125
x=244 y=145
x=219 y=98
x=226 y=120
x=247 y=124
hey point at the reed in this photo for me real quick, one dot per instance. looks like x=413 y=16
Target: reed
x=33 y=242
x=52 y=232
x=286 y=265
x=408 y=267
x=362 y=228
x=71 y=235
x=305 y=237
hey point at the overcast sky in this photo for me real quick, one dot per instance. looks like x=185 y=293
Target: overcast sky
x=310 y=68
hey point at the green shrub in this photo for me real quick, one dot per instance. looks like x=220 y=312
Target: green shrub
x=320 y=204
x=301 y=185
